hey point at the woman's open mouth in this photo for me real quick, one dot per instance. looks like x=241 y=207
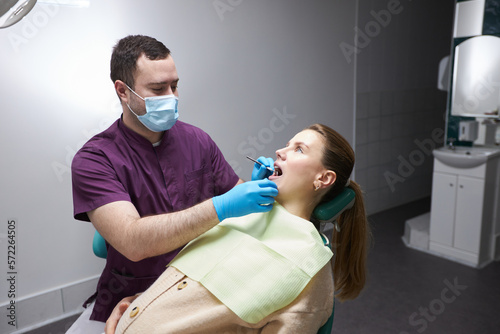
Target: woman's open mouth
x=277 y=173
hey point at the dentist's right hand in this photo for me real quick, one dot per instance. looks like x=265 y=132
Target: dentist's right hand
x=246 y=198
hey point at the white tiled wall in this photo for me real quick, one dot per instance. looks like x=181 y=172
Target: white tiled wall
x=35 y=311
x=386 y=145
x=398 y=101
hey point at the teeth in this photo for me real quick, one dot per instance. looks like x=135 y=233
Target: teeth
x=277 y=171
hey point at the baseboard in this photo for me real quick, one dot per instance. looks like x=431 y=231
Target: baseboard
x=68 y=315
x=40 y=309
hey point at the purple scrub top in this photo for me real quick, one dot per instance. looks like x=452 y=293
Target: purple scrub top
x=118 y=164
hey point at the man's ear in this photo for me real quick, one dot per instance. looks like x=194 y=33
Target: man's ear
x=121 y=89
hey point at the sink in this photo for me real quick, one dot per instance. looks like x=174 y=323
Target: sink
x=465 y=157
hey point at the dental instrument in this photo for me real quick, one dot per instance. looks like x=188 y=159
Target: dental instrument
x=260 y=163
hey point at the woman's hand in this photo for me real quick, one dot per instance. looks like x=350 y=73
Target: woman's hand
x=117 y=313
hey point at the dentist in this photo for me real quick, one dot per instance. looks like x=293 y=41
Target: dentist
x=151 y=183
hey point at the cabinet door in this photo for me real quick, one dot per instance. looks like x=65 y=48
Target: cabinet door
x=469 y=214
x=443 y=208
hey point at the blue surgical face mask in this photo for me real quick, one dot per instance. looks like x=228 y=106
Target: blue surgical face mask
x=161 y=112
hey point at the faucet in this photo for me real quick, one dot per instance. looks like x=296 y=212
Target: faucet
x=451 y=142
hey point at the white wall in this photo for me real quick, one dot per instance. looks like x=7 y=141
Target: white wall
x=238 y=69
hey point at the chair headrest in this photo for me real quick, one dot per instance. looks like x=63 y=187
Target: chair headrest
x=330 y=211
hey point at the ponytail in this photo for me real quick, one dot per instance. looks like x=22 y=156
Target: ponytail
x=351 y=248
x=350 y=245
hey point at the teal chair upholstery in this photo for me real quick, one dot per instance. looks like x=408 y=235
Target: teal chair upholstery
x=99 y=246
x=330 y=211
x=326 y=212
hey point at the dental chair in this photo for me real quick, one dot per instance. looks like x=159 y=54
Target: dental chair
x=99 y=246
x=324 y=213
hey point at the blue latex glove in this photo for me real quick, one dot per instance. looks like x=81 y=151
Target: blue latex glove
x=260 y=172
x=246 y=198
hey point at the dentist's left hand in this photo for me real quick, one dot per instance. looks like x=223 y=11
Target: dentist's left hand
x=246 y=198
x=260 y=172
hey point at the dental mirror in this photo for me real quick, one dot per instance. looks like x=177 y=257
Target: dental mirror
x=12 y=11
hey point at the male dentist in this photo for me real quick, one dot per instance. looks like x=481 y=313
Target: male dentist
x=151 y=183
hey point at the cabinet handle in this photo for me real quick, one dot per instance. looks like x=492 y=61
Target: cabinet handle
x=451 y=184
x=461 y=186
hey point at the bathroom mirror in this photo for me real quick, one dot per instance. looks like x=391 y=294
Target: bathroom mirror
x=12 y=11
x=476 y=77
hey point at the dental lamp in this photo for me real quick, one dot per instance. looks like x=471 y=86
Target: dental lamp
x=12 y=11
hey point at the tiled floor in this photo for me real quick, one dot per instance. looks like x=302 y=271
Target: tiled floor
x=410 y=291
x=59 y=327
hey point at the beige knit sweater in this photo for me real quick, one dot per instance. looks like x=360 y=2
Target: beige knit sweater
x=178 y=305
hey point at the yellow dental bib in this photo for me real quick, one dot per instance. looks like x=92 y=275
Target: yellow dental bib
x=256 y=264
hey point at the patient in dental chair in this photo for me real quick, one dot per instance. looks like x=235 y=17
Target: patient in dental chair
x=265 y=272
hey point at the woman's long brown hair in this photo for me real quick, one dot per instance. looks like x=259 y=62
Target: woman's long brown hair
x=350 y=245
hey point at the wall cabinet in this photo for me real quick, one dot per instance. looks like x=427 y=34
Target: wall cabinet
x=464 y=212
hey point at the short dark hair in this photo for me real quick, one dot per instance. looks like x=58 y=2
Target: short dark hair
x=128 y=50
